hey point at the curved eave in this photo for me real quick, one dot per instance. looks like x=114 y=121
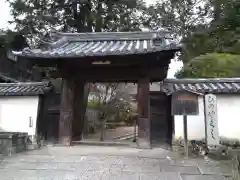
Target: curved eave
x=49 y=55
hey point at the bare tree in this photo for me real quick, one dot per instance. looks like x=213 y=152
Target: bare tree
x=113 y=98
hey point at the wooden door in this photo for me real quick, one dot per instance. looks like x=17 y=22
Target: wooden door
x=52 y=127
x=161 y=119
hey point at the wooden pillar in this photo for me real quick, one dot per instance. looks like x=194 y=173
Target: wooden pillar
x=170 y=120
x=80 y=105
x=143 y=114
x=66 y=112
x=185 y=135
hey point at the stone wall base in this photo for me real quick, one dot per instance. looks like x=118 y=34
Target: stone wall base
x=13 y=142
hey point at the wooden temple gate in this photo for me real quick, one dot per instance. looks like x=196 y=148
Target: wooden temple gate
x=136 y=57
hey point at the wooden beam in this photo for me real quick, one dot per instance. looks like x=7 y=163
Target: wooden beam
x=130 y=74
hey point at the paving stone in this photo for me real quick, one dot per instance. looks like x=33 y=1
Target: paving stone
x=81 y=166
x=183 y=169
x=129 y=160
x=184 y=162
x=174 y=162
x=109 y=160
x=23 y=158
x=120 y=175
x=5 y=174
x=203 y=177
x=91 y=175
x=90 y=159
x=132 y=168
x=150 y=162
x=70 y=166
x=43 y=175
x=206 y=161
x=117 y=166
x=99 y=166
x=54 y=175
x=11 y=174
x=160 y=176
x=19 y=166
x=128 y=176
x=106 y=163
x=137 y=161
x=111 y=173
x=46 y=166
x=70 y=159
x=215 y=170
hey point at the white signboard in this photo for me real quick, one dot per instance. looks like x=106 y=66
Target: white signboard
x=211 y=120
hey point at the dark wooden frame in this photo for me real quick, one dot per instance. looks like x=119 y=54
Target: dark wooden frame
x=75 y=72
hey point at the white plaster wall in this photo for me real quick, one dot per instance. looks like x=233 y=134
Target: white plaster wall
x=15 y=112
x=152 y=87
x=228 y=119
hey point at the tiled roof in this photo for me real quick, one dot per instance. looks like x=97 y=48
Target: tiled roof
x=24 y=88
x=224 y=85
x=102 y=44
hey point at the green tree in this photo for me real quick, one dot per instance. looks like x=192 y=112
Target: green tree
x=35 y=18
x=182 y=19
x=176 y=16
x=214 y=65
x=220 y=35
x=12 y=40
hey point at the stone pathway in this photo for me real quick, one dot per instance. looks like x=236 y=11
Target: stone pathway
x=111 y=134
x=106 y=163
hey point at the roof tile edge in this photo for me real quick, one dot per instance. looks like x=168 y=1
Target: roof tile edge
x=202 y=80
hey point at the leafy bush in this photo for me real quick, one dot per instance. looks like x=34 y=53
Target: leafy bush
x=214 y=65
x=94 y=105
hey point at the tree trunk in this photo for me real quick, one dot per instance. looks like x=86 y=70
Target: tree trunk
x=104 y=113
x=102 y=129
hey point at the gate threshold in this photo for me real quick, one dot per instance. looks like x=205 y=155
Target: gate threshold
x=103 y=143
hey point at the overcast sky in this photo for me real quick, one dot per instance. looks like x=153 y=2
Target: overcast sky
x=5 y=17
